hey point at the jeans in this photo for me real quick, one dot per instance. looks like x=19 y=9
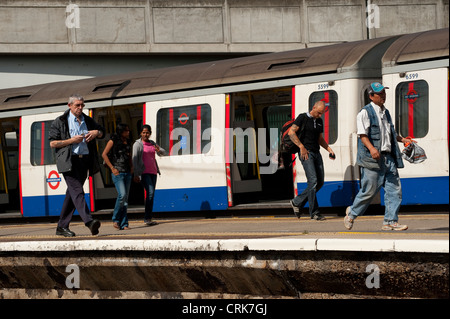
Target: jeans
x=122 y=183
x=149 y=183
x=315 y=176
x=371 y=183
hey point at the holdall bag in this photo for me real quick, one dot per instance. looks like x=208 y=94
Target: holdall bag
x=413 y=153
x=286 y=144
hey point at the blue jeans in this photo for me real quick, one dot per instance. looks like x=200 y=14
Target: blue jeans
x=315 y=176
x=149 y=183
x=371 y=183
x=122 y=183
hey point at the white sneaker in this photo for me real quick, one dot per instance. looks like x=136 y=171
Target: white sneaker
x=348 y=222
x=395 y=226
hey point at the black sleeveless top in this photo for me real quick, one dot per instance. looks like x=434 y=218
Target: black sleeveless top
x=120 y=155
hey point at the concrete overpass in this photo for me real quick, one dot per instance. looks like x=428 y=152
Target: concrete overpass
x=54 y=40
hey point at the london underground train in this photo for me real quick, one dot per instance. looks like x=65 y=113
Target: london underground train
x=219 y=123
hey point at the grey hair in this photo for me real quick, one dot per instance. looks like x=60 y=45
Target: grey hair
x=75 y=97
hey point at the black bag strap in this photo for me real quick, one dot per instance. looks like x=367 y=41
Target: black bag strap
x=304 y=119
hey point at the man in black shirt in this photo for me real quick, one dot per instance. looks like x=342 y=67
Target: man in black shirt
x=309 y=143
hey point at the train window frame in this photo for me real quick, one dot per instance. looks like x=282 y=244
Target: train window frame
x=40 y=151
x=407 y=97
x=12 y=150
x=333 y=133
x=183 y=118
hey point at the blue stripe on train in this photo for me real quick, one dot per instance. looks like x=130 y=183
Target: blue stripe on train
x=415 y=191
x=334 y=194
x=429 y=190
x=166 y=200
x=38 y=206
x=191 y=199
x=425 y=191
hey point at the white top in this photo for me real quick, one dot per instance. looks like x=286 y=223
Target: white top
x=363 y=124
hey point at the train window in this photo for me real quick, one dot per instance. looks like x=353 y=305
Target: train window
x=12 y=154
x=184 y=130
x=275 y=117
x=411 y=108
x=330 y=117
x=41 y=153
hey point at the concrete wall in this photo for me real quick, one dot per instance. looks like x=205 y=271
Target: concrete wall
x=195 y=26
x=206 y=274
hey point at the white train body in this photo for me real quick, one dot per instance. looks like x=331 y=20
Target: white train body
x=219 y=123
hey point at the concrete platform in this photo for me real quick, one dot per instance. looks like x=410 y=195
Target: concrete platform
x=420 y=227
x=226 y=257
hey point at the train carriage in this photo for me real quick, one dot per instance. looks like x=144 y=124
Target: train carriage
x=415 y=68
x=219 y=122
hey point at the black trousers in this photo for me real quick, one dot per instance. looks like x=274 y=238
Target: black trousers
x=75 y=194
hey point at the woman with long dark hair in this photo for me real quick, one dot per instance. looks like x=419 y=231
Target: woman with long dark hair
x=146 y=168
x=117 y=156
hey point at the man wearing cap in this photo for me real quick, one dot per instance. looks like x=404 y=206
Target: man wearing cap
x=379 y=158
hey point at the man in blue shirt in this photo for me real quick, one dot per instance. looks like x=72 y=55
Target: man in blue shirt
x=78 y=127
x=73 y=136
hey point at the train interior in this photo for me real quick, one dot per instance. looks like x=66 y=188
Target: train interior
x=260 y=111
x=109 y=117
x=9 y=162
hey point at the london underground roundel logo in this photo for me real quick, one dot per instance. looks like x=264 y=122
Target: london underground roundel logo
x=412 y=96
x=183 y=118
x=53 y=179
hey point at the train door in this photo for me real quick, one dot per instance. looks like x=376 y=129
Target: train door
x=419 y=105
x=339 y=121
x=42 y=187
x=105 y=192
x=9 y=160
x=193 y=172
x=245 y=174
x=256 y=119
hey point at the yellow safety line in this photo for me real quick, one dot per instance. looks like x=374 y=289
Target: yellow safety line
x=220 y=235
x=235 y=219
